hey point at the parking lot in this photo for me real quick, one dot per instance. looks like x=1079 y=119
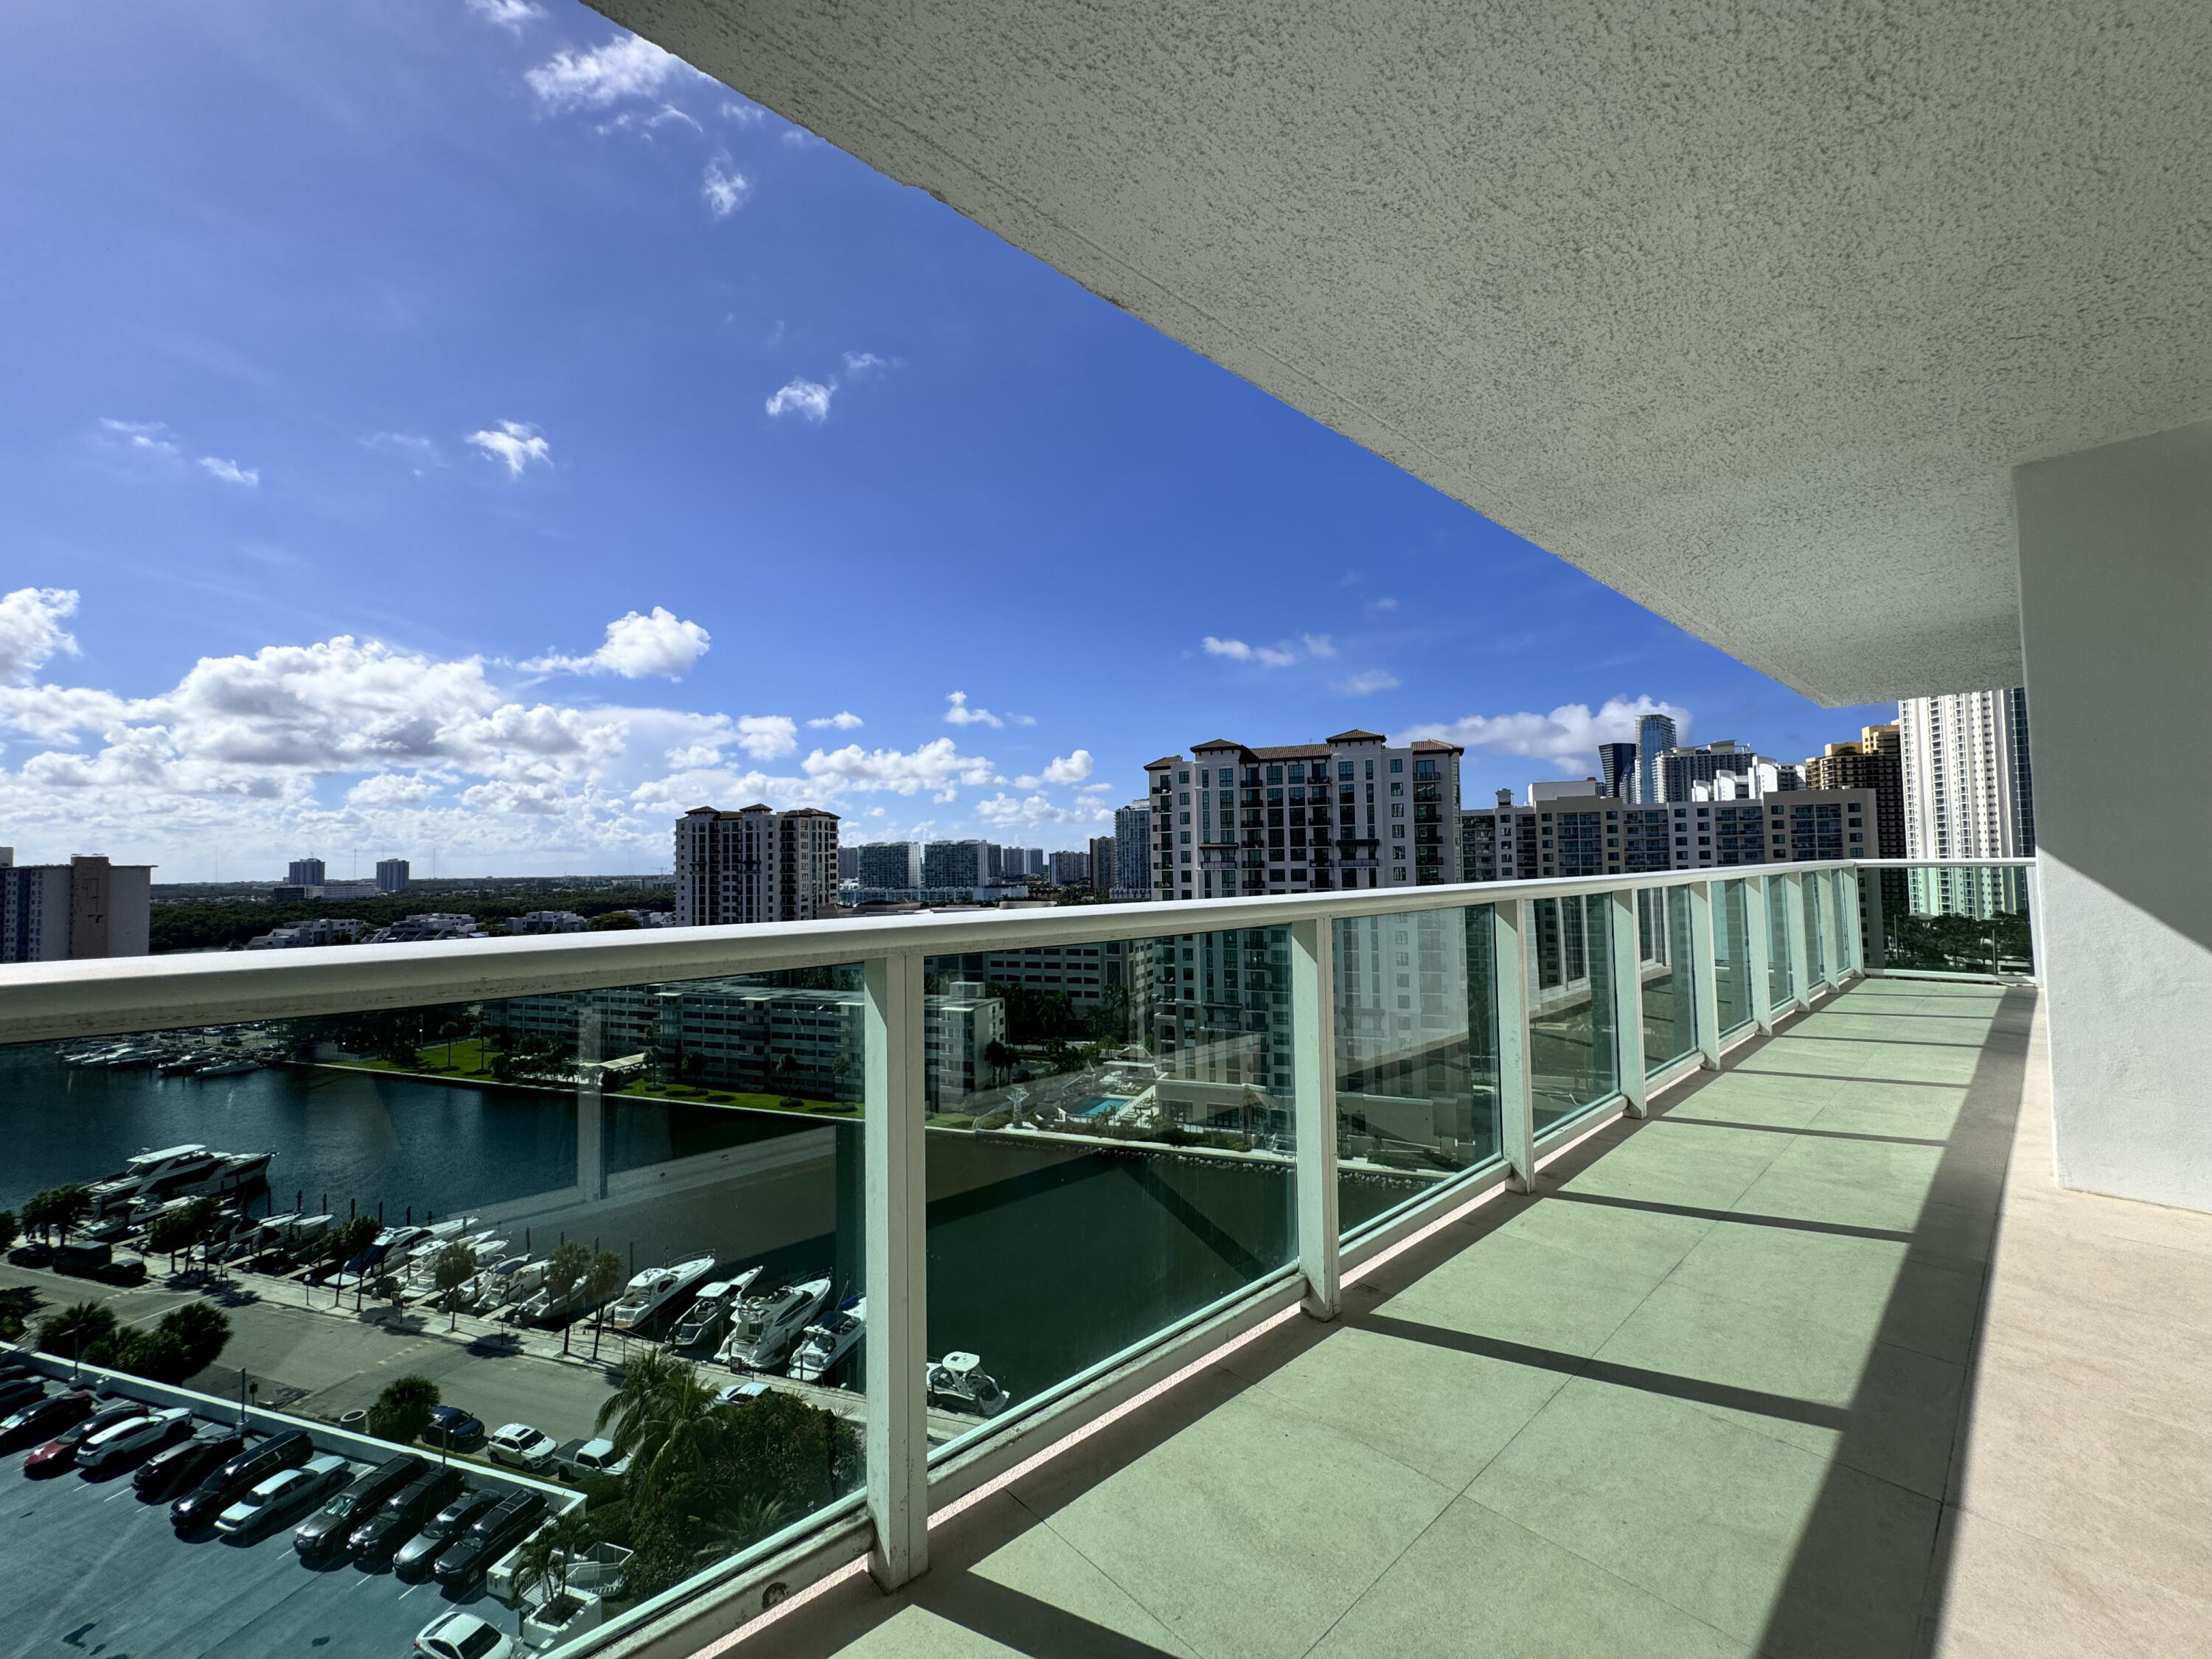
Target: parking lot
x=91 y=1570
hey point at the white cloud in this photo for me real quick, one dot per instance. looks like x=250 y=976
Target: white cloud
x=844 y=720
x=743 y=112
x=229 y=472
x=638 y=646
x=516 y=444
x=1069 y=768
x=726 y=189
x=1004 y=812
x=1281 y=654
x=1376 y=607
x=418 y=451
x=508 y=14
x=149 y=435
x=766 y=736
x=959 y=714
x=624 y=67
x=936 y=766
x=862 y=363
x=669 y=113
x=802 y=397
x=1569 y=732
x=1366 y=683
x=31 y=631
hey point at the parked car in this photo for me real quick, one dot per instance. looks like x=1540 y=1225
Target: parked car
x=188 y=1462
x=418 y=1553
x=59 y=1454
x=18 y=1392
x=521 y=1447
x=34 y=1253
x=324 y=1534
x=117 y=1446
x=199 y=1507
x=264 y=1505
x=491 y=1535
x=453 y=1429
x=458 y=1635
x=379 y=1538
x=739 y=1394
x=42 y=1419
x=83 y=1260
x=580 y=1459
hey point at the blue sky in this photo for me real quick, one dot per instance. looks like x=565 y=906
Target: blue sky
x=457 y=431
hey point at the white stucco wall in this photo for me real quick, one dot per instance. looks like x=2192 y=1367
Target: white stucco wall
x=2115 y=603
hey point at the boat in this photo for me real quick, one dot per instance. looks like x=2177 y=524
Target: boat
x=159 y=1174
x=648 y=1292
x=703 y=1320
x=957 y=1382
x=229 y=1065
x=764 y=1325
x=824 y=1345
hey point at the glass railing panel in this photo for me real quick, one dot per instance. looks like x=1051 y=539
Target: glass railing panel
x=1846 y=918
x=352 y=1219
x=1781 y=958
x=1574 y=1053
x=1416 y=1014
x=1107 y=1154
x=1819 y=923
x=1670 y=1002
x=1952 y=921
x=1731 y=956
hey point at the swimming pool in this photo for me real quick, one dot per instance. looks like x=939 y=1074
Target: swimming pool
x=1096 y=1106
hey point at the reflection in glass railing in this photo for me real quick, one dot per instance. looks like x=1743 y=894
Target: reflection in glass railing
x=1781 y=953
x=1670 y=1003
x=1574 y=1052
x=1959 y=921
x=1731 y=956
x=1416 y=1013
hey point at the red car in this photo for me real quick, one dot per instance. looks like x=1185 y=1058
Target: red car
x=43 y=1420
x=59 y=1454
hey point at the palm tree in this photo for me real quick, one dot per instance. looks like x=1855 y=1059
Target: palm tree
x=605 y=1276
x=662 y=1413
x=545 y=1561
x=567 y=1264
x=456 y=1267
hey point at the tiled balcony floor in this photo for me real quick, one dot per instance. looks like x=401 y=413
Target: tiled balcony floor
x=1708 y=1393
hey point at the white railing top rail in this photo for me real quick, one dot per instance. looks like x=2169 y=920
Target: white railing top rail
x=42 y=1001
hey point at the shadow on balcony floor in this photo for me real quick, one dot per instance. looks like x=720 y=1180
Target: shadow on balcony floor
x=1705 y=1394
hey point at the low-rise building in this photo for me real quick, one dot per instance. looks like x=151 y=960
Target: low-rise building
x=307 y=935
x=547 y=921
x=432 y=925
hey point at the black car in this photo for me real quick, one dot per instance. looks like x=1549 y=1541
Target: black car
x=200 y=1506
x=379 y=1538
x=35 y=1253
x=324 y=1534
x=18 y=1392
x=185 y=1464
x=42 y=1419
x=491 y=1535
x=439 y=1531
x=453 y=1429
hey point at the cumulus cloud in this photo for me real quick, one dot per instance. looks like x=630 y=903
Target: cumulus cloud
x=417 y=450
x=1004 y=812
x=1366 y=683
x=1569 y=731
x=1069 y=768
x=515 y=445
x=637 y=646
x=726 y=189
x=766 y=736
x=844 y=720
x=508 y=14
x=229 y=472
x=31 y=631
x=809 y=398
x=624 y=67
x=959 y=714
x=936 y=766
x=1281 y=654
x=743 y=111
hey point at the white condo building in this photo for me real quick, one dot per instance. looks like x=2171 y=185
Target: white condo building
x=755 y=865
x=1967 y=795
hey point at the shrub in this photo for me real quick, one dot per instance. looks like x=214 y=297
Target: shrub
x=401 y=1411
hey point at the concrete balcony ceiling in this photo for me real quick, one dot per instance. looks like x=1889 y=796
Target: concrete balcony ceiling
x=1746 y=311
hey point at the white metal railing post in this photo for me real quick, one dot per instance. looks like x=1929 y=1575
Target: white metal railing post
x=1758 y=956
x=894 y=1246
x=1801 y=947
x=1628 y=999
x=1510 y=921
x=1847 y=885
x=1312 y=1083
x=1704 y=963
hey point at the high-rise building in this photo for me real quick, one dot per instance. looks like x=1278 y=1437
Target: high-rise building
x=1876 y=762
x=1020 y=863
x=1101 y=865
x=305 y=873
x=1132 y=853
x=1968 y=794
x=70 y=912
x=1350 y=812
x=951 y=863
x=1616 y=769
x=1063 y=868
x=392 y=875
x=1654 y=736
x=755 y=865
x=887 y=864
x=1720 y=824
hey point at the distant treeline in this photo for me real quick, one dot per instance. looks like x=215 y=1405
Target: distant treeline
x=199 y=926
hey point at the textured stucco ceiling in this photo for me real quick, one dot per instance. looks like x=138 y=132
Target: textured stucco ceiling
x=1746 y=310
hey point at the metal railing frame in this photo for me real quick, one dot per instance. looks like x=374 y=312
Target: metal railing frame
x=904 y=1482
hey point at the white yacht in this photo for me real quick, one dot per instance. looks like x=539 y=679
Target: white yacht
x=816 y=1358
x=958 y=1383
x=764 y=1325
x=653 y=1289
x=159 y=1174
x=703 y=1320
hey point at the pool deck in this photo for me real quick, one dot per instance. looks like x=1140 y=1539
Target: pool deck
x=1815 y=1361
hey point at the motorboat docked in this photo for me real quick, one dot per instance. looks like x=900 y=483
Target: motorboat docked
x=648 y=1292
x=824 y=1345
x=958 y=1383
x=703 y=1320
x=228 y=1065
x=176 y=1172
x=764 y=1325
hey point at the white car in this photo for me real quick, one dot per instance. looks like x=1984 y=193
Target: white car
x=114 y=1446
x=282 y=1494
x=739 y=1394
x=463 y=1636
x=521 y=1447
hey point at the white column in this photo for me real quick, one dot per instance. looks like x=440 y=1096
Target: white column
x=1758 y=962
x=1801 y=943
x=1628 y=999
x=1704 y=965
x=1510 y=921
x=1313 y=1084
x=894 y=1210
x=2116 y=623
